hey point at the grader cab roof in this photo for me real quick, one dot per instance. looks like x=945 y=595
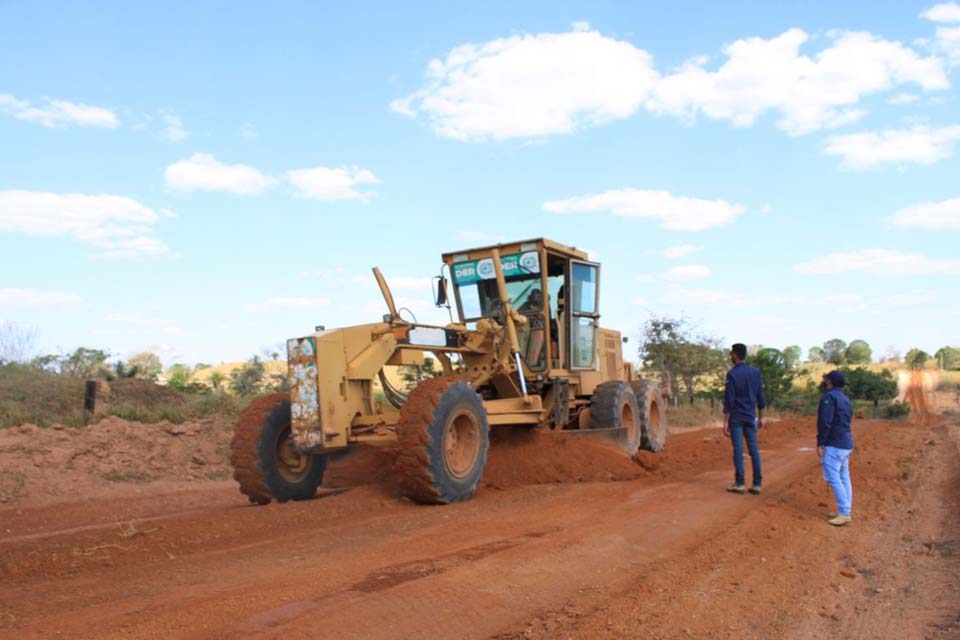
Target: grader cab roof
x=533 y=244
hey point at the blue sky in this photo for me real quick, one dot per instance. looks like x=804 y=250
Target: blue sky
x=206 y=180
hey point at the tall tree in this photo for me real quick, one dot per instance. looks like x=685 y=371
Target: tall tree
x=16 y=342
x=891 y=354
x=948 y=358
x=178 y=376
x=835 y=351
x=412 y=376
x=791 y=355
x=777 y=377
x=816 y=355
x=84 y=363
x=663 y=340
x=700 y=360
x=247 y=379
x=916 y=358
x=863 y=384
x=859 y=352
x=216 y=379
x=147 y=365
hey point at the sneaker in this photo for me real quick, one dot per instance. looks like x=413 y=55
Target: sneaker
x=737 y=488
x=840 y=520
x=755 y=489
x=832 y=515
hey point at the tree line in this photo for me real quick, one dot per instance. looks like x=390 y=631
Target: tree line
x=250 y=378
x=695 y=364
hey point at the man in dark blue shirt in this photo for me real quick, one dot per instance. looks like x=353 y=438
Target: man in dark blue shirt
x=835 y=444
x=743 y=405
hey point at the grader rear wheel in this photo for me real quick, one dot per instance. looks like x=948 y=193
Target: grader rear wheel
x=653 y=416
x=265 y=462
x=615 y=405
x=443 y=441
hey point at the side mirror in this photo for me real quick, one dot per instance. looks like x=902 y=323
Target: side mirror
x=441 y=293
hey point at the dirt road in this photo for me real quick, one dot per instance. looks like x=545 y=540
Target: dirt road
x=668 y=554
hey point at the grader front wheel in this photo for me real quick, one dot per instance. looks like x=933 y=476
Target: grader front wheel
x=265 y=462
x=615 y=405
x=443 y=441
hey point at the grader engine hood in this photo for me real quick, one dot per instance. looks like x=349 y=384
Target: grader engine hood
x=304 y=393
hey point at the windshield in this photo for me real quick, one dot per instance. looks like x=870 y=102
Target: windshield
x=477 y=286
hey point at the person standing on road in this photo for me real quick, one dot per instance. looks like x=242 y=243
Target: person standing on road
x=743 y=405
x=835 y=444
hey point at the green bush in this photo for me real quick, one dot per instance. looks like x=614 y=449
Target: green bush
x=897 y=409
x=212 y=405
x=135 y=412
x=28 y=394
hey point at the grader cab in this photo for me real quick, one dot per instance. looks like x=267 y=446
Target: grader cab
x=525 y=351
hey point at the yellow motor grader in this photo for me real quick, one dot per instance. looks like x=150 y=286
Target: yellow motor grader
x=526 y=351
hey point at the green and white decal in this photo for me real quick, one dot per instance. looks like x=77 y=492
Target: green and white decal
x=513 y=264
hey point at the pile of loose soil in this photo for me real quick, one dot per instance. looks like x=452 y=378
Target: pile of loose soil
x=517 y=457
x=42 y=463
x=533 y=456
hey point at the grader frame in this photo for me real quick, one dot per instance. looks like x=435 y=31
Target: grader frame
x=525 y=350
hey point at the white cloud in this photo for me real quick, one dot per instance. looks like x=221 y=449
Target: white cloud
x=173 y=130
x=930 y=215
x=59 y=113
x=289 y=303
x=203 y=172
x=677 y=213
x=532 y=85
x=944 y=12
x=687 y=272
x=882 y=262
x=903 y=99
x=947 y=39
x=550 y=83
x=672 y=253
x=116 y=225
x=947 y=42
x=323 y=183
x=917 y=145
x=910 y=298
x=809 y=93
x=14 y=298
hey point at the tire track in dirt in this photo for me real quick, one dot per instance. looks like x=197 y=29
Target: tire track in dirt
x=273 y=570
x=654 y=556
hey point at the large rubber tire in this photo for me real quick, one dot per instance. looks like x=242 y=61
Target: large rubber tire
x=444 y=437
x=264 y=462
x=653 y=416
x=615 y=405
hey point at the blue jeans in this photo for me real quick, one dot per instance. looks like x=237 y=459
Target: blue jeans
x=740 y=430
x=836 y=471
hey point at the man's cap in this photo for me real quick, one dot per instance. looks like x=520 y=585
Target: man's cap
x=836 y=378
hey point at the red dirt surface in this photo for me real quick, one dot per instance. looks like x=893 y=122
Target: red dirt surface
x=543 y=551
x=47 y=465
